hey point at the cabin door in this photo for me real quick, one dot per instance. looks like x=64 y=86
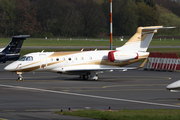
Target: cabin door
x=43 y=61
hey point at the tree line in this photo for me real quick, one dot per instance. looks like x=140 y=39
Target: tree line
x=76 y=18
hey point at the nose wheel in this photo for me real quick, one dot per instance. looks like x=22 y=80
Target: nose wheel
x=20 y=78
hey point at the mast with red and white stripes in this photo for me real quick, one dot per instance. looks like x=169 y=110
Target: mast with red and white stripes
x=111 y=28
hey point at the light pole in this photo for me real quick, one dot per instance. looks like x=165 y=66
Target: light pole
x=111 y=29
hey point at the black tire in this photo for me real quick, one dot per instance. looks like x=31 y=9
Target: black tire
x=85 y=77
x=20 y=79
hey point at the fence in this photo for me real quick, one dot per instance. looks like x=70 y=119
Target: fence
x=163 y=61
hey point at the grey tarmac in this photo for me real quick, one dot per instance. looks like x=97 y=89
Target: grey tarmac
x=43 y=93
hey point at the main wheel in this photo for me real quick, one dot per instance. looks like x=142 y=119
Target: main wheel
x=85 y=77
x=96 y=77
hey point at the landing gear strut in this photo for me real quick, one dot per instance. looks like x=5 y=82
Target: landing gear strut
x=20 y=78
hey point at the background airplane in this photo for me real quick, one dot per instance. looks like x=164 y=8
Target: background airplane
x=174 y=87
x=11 y=51
x=88 y=64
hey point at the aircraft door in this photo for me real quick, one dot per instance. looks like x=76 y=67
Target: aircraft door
x=43 y=61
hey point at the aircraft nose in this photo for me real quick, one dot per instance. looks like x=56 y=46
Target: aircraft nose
x=173 y=85
x=9 y=68
x=169 y=87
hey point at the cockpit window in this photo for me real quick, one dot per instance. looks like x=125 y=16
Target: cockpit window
x=25 y=58
x=22 y=58
x=29 y=58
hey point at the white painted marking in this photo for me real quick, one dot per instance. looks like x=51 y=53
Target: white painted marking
x=92 y=96
x=111 y=29
x=111 y=7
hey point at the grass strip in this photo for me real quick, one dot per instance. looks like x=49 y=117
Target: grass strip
x=147 y=114
x=54 y=42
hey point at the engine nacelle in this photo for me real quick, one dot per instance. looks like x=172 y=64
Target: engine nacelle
x=119 y=56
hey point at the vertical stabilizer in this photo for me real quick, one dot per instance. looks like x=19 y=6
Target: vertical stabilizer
x=141 y=39
x=15 y=45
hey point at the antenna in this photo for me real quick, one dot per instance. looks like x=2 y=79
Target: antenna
x=111 y=31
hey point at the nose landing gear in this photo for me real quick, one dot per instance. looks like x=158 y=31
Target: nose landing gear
x=20 y=78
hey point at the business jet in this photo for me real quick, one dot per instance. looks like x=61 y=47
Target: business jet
x=88 y=64
x=174 y=87
x=11 y=51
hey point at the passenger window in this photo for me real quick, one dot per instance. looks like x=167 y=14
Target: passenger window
x=22 y=58
x=30 y=58
x=57 y=59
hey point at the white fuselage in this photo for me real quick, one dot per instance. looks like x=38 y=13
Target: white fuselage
x=74 y=62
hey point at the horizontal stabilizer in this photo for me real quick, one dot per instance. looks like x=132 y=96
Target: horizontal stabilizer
x=21 y=36
x=156 y=28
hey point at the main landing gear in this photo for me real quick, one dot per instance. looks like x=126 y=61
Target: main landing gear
x=90 y=77
x=20 y=78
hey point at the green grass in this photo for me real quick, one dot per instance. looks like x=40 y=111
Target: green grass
x=167 y=42
x=147 y=114
x=55 y=42
x=34 y=42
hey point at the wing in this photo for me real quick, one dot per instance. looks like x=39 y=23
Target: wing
x=81 y=69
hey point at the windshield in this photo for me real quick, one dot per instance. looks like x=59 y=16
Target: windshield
x=22 y=58
x=26 y=58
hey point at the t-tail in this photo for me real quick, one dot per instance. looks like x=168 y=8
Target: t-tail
x=11 y=51
x=141 y=39
x=15 y=45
